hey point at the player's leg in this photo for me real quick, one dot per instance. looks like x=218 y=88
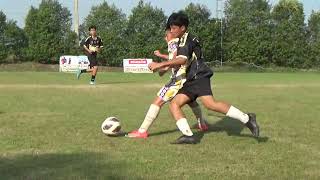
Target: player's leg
x=204 y=92
x=93 y=74
x=149 y=118
x=165 y=94
x=151 y=114
x=176 y=110
x=91 y=61
x=94 y=67
x=219 y=106
x=196 y=109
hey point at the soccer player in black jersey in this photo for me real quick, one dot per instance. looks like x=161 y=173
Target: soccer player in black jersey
x=197 y=85
x=92 y=46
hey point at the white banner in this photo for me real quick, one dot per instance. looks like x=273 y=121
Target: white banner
x=136 y=65
x=73 y=63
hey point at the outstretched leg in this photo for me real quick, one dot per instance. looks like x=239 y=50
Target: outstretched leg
x=219 y=106
x=151 y=115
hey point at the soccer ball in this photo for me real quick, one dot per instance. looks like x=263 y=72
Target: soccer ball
x=111 y=126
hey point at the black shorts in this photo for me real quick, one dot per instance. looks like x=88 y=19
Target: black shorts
x=196 y=88
x=93 y=60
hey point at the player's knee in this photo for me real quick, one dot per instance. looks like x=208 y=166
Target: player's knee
x=210 y=106
x=158 y=103
x=173 y=105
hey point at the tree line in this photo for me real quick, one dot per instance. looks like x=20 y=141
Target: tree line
x=253 y=31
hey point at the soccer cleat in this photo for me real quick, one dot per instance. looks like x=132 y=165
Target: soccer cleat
x=92 y=83
x=78 y=73
x=137 y=134
x=252 y=125
x=185 y=140
x=203 y=126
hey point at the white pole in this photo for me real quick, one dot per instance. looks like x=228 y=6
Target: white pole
x=76 y=18
x=219 y=11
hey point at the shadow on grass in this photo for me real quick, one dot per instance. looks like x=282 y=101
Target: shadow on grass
x=117 y=82
x=231 y=126
x=63 y=166
x=163 y=132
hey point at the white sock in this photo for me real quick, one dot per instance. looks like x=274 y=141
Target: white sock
x=150 y=117
x=198 y=113
x=184 y=127
x=237 y=114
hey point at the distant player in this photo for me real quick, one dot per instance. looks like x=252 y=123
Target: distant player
x=168 y=91
x=92 y=46
x=189 y=54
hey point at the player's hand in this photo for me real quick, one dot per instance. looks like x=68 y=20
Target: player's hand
x=162 y=71
x=157 y=53
x=154 y=66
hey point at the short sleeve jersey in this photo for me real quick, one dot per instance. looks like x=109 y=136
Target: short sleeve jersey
x=172 y=47
x=91 y=42
x=190 y=49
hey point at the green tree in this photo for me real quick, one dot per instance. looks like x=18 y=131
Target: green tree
x=48 y=30
x=145 y=31
x=199 y=17
x=314 y=40
x=111 y=25
x=208 y=30
x=289 y=35
x=15 y=40
x=3 y=51
x=248 y=32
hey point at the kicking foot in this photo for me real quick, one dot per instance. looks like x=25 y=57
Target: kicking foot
x=252 y=125
x=137 y=134
x=78 y=73
x=203 y=126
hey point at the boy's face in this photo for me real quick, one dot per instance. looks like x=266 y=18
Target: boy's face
x=93 y=32
x=177 y=31
x=169 y=36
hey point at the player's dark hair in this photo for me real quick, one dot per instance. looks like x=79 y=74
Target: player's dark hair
x=92 y=27
x=169 y=22
x=178 y=19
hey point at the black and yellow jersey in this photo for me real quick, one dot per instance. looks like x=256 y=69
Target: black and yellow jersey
x=93 y=42
x=190 y=49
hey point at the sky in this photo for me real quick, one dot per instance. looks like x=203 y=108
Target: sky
x=17 y=10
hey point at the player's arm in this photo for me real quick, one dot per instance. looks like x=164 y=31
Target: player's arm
x=178 y=61
x=87 y=49
x=85 y=46
x=162 y=56
x=179 y=58
x=100 y=46
x=162 y=71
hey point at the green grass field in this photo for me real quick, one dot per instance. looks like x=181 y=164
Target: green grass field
x=50 y=128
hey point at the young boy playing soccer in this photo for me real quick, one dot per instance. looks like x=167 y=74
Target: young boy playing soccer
x=189 y=54
x=168 y=91
x=92 y=47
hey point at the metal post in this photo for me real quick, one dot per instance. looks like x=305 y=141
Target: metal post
x=219 y=16
x=76 y=18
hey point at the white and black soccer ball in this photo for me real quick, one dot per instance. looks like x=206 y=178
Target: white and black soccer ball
x=111 y=126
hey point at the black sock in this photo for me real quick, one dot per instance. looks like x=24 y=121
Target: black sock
x=93 y=78
x=83 y=70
